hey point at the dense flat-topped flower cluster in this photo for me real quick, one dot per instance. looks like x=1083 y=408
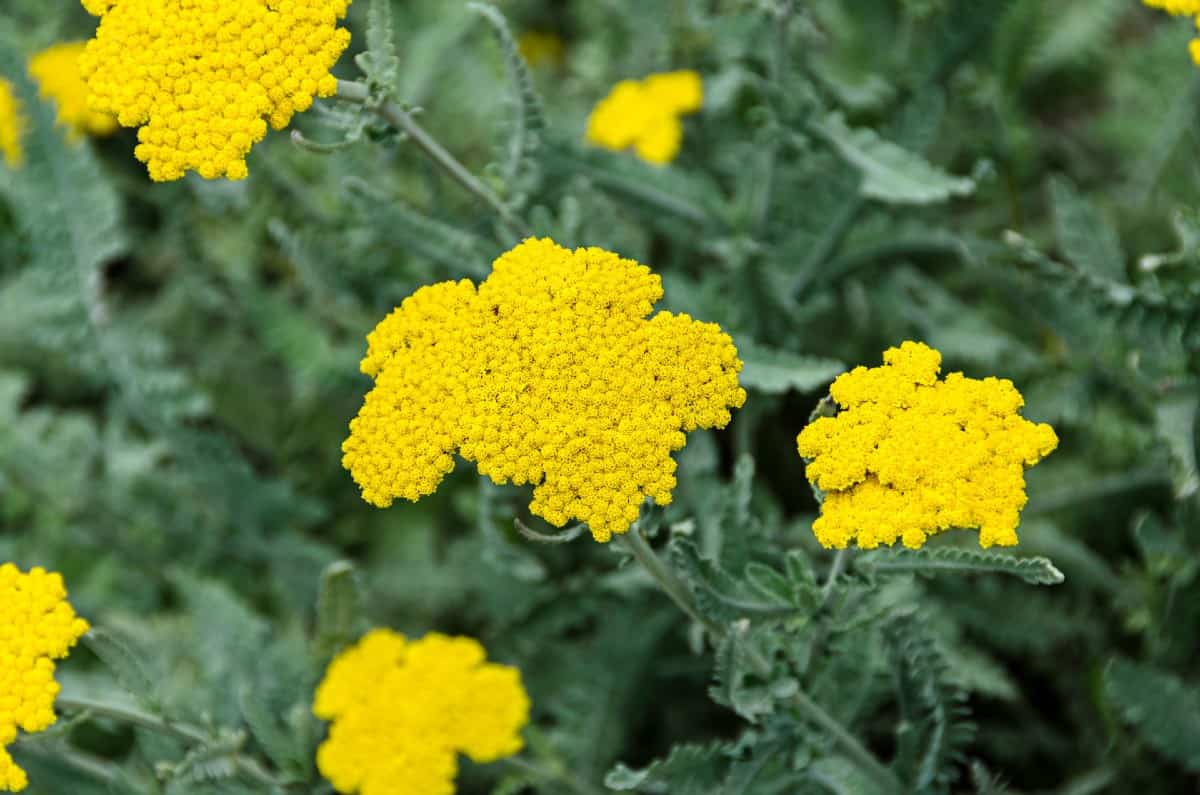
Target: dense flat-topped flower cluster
x=37 y=626
x=402 y=711
x=645 y=115
x=550 y=373
x=909 y=455
x=203 y=77
x=56 y=70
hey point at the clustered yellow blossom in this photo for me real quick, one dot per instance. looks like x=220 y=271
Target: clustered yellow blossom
x=540 y=48
x=1188 y=7
x=56 y=70
x=909 y=455
x=37 y=626
x=200 y=76
x=645 y=114
x=550 y=373
x=401 y=712
x=12 y=124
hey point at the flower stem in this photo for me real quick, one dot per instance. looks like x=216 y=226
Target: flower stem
x=181 y=731
x=678 y=592
x=403 y=120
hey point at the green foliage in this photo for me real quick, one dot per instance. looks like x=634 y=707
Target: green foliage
x=1012 y=182
x=1164 y=709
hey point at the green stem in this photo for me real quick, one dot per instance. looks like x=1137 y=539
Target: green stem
x=666 y=579
x=76 y=760
x=678 y=592
x=551 y=776
x=181 y=731
x=403 y=120
x=835 y=570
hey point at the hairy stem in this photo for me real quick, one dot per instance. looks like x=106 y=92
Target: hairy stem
x=675 y=588
x=181 y=731
x=403 y=120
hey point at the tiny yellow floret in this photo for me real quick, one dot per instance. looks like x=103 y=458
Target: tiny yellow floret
x=202 y=78
x=645 y=115
x=909 y=455
x=402 y=711
x=551 y=373
x=37 y=626
x=56 y=70
x=12 y=125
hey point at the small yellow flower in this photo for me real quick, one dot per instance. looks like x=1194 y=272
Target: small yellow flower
x=56 y=71
x=203 y=78
x=645 y=115
x=540 y=48
x=401 y=711
x=909 y=455
x=12 y=125
x=37 y=626
x=549 y=373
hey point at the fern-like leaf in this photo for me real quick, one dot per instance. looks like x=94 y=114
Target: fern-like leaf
x=1035 y=571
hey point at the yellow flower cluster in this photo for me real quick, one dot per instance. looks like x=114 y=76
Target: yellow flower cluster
x=12 y=124
x=909 y=455
x=549 y=373
x=56 y=71
x=645 y=115
x=1189 y=7
x=37 y=626
x=202 y=75
x=401 y=712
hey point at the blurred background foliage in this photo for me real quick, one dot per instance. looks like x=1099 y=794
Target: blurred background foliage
x=1015 y=183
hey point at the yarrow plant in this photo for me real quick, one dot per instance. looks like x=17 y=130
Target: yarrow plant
x=402 y=711
x=909 y=455
x=645 y=115
x=549 y=373
x=56 y=70
x=37 y=627
x=202 y=79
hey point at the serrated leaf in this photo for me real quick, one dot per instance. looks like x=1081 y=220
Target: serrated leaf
x=340 y=608
x=891 y=173
x=1087 y=240
x=1035 y=571
x=725 y=598
x=774 y=372
x=530 y=119
x=125 y=664
x=1175 y=419
x=381 y=62
x=1163 y=708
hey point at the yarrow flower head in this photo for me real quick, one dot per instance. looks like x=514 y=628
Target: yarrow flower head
x=12 y=124
x=549 y=373
x=37 y=626
x=203 y=77
x=1188 y=7
x=402 y=710
x=909 y=455
x=645 y=115
x=56 y=71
